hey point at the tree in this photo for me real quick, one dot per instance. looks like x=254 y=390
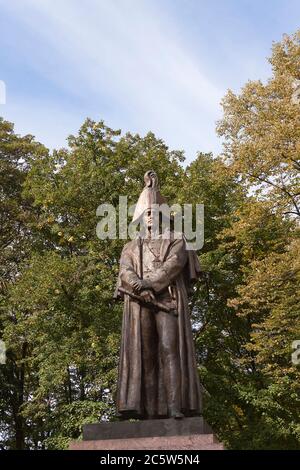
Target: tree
x=261 y=127
x=269 y=300
x=239 y=231
x=261 y=130
x=16 y=241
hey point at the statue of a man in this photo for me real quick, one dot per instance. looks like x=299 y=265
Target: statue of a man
x=157 y=369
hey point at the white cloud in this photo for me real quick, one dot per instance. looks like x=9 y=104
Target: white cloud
x=2 y=92
x=125 y=56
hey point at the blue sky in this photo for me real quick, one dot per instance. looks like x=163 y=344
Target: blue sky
x=159 y=65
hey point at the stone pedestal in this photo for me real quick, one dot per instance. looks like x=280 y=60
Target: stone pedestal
x=157 y=434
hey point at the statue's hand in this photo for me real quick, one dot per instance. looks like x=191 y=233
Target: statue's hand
x=140 y=285
x=137 y=286
x=146 y=284
x=147 y=295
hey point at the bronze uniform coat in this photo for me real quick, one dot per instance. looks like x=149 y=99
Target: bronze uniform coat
x=179 y=267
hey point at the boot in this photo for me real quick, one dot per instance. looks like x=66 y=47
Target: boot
x=175 y=413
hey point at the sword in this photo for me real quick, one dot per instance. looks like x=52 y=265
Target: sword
x=153 y=303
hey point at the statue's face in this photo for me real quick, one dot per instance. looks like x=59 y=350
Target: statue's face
x=148 y=218
x=152 y=220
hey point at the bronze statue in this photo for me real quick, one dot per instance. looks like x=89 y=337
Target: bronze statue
x=157 y=369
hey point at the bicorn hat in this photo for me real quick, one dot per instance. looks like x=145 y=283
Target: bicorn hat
x=149 y=196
